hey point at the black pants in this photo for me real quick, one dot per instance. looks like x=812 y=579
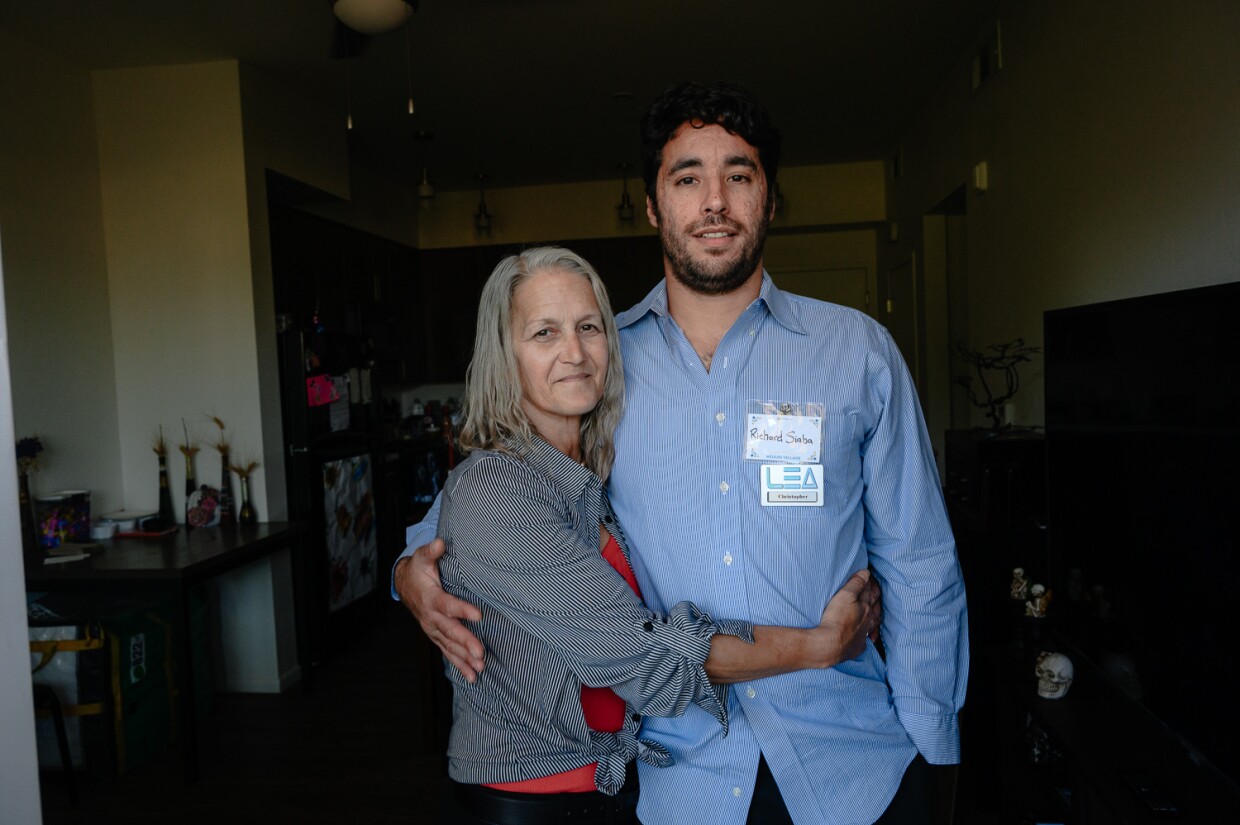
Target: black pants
x=479 y=805
x=913 y=803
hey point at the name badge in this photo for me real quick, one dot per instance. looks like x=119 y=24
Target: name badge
x=789 y=439
x=792 y=485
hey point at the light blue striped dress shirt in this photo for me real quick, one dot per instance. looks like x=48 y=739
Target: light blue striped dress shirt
x=837 y=740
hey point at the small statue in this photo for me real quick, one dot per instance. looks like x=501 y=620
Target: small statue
x=1054 y=672
x=1020 y=585
x=1038 y=605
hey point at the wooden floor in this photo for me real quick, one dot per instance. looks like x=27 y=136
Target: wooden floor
x=365 y=745
x=360 y=747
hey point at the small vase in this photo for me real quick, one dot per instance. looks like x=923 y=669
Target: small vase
x=30 y=535
x=167 y=516
x=226 y=493
x=246 y=514
x=191 y=486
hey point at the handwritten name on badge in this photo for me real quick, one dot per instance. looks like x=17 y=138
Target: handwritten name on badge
x=784 y=438
x=792 y=485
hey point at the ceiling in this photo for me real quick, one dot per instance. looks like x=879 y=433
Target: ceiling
x=540 y=91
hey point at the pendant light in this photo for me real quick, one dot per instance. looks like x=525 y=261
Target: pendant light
x=482 y=218
x=624 y=209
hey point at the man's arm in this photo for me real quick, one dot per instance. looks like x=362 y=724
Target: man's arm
x=911 y=549
x=415 y=582
x=416 y=579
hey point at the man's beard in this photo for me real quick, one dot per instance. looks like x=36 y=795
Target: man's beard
x=723 y=277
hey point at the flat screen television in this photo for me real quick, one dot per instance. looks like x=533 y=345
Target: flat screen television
x=1143 y=504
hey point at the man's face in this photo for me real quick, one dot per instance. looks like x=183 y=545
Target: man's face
x=712 y=209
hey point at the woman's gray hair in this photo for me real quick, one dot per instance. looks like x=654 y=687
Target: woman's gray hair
x=492 y=414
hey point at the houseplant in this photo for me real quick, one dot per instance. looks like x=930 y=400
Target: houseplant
x=1003 y=359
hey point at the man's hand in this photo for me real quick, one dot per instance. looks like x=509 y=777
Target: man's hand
x=416 y=580
x=853 y=614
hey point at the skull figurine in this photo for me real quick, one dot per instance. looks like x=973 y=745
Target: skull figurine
x=1055 y=674
x=1020 y=585
x=1040 y=600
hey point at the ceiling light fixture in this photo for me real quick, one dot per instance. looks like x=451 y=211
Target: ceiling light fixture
x=624 y=209
x=482 y=218
x=374 y=16
x=409 y=65
x=426 y=192
x=348 y=100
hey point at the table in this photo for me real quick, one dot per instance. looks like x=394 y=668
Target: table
x=172 y=564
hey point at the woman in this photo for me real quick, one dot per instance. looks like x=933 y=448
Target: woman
x=549 y=730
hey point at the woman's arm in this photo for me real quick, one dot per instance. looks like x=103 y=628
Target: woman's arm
x=852 y=614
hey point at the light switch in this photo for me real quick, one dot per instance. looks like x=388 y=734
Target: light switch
x=981 y=178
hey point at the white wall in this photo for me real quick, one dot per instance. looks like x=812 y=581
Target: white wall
x=1110 y=135
x=60 y=330
x=19 y=775
x=174 y=209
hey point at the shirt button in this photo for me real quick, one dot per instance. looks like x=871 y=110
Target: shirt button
x=648 y=627
x=723 y=487
x=727 y=558
x=750 y=692
x=720 y=417
x=637 y=717
x=751 y=332
x=736 y=792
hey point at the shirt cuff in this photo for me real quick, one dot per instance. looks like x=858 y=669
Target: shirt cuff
x=937 y=737
x=416 y=535
x=699 y=628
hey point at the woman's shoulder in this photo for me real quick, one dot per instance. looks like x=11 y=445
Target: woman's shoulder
x=490 y=463
x=490 y=501
x=490 y=474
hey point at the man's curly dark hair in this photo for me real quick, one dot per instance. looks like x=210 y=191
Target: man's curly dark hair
x=700 y=104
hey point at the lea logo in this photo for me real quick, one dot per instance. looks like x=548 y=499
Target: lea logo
x=792 y=485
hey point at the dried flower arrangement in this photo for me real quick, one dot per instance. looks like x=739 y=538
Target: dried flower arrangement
x=245 y=470
x=225 y=491
x=188 y=449
x=221 y=442
x=246 y=514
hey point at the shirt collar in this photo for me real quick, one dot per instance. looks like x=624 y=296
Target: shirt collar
x=777 y=302
x=772 y=296
x=569 y=476
x=655 y=301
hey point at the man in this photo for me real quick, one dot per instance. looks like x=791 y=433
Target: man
x=771 y=444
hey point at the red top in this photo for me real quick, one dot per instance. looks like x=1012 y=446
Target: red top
x=604 y=710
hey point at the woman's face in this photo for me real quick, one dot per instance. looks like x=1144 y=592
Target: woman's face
x=561 y=349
